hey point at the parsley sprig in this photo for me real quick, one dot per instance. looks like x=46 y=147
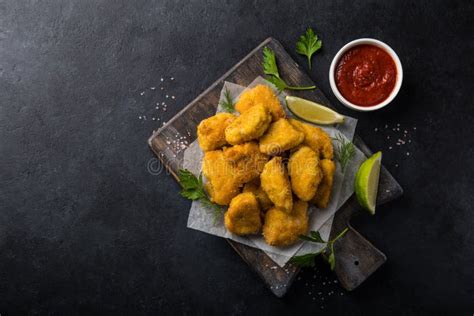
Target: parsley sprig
x=228 y=103
x=193 y=189
x=270 y=68
x=308 y=44
x=327 y=252
x=269 y=63
x=344 y=151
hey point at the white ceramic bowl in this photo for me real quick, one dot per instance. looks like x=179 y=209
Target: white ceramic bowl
x=377 y=43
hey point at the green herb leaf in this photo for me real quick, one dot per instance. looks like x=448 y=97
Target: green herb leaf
x=193 y=189
x=308 y=44
x=228 y=103
x=314 y=236
x=191 y=194
x=270 y=68
x=306 y=260
x=344 y=151
x=269 y=63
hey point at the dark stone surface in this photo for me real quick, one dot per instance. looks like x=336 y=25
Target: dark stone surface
x=85 y=228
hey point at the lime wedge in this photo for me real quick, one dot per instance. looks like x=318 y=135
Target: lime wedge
x=367 y=182
x=313 y=112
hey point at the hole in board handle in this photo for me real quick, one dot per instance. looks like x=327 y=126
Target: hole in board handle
x=356 y=262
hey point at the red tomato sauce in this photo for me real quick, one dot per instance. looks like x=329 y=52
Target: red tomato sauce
x=366 y=75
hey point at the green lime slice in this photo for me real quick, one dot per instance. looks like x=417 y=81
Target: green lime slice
x=312 y=111
x=367 y=182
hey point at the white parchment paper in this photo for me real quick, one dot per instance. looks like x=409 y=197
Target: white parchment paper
x=201 y=218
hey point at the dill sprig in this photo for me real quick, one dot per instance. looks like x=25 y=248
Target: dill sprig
x=327 y=252
x=344 y=151
x=193 y=189
x=228 y=103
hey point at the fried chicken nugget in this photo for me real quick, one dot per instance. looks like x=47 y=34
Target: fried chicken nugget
x=283 y=229
x=260 y=94
x=255 y=187
x=323 y=194
x=221 y=184
x=243 y=215
x=305 y=173
x=275 y=183
x=316 y=138
x=280 y=136
x=249 y=125
x=246 y=160
x=211 y=131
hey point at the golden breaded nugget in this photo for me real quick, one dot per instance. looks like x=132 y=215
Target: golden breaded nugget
x=243 y=215
x=256 y=189
x=246 y=160
x=283 y=229
x=249 y=125
x=211 y=131
x=305 y=173
x=316 y=138
x=260 y=94
x=221 y=184
x=275 y=183
x=323 y=194
x=280 y=136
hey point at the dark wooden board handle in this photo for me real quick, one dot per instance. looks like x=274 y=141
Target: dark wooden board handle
x=356 y=257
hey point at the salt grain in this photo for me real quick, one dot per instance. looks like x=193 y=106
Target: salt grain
x=152 y=88
x=142 y=93
x=161 y=79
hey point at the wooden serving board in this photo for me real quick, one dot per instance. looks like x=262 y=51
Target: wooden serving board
x=357 y=258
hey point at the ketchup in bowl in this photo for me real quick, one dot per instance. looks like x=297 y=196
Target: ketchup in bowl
x=366 y=75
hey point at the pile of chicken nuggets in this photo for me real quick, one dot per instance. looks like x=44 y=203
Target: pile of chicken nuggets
x=266 y=167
